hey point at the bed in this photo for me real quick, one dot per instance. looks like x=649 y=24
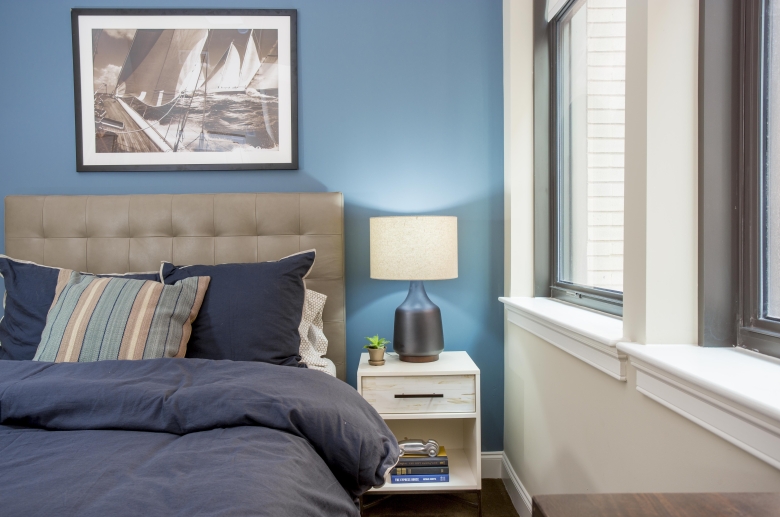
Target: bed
x=185 y=436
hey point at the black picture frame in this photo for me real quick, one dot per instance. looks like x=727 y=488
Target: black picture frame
x=146 y=149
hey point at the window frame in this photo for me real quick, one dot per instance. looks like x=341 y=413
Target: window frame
x=602 y=300
x=755 y=331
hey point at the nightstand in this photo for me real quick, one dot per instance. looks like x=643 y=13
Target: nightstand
x=438 y=400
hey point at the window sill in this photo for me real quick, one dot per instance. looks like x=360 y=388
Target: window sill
x=729 y=391
x=587 y=335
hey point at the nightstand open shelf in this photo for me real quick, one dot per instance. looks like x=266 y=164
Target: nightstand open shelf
x=462 y=477
x=453 y=420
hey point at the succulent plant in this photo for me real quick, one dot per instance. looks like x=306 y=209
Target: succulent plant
x=376 y=342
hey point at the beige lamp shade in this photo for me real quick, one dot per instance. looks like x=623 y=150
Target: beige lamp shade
x=414 y=247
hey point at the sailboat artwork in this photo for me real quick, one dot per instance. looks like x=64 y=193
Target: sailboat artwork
x=170 y=96
x=209 y=96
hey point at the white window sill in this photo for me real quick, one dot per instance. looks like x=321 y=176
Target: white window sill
x=730 y=391
x=587 y=335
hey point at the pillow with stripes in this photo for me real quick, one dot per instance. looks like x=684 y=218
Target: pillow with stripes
x=29 y=291
x=96 y=319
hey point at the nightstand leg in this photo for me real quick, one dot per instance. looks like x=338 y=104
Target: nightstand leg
x=479 y=503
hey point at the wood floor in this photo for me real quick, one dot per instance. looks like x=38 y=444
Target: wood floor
x=495 y=503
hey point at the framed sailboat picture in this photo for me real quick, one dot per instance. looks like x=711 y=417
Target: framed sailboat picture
x=185 y=89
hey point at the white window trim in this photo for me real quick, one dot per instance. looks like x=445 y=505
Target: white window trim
x=589 y=336
x=731 y=392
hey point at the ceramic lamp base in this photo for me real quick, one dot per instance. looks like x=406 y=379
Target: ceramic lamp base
x=418 y=336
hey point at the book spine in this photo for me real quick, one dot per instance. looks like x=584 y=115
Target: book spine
x=433 y=462
x=406 y=471
x=441 y=478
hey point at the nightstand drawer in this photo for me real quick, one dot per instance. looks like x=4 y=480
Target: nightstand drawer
x=421 y=394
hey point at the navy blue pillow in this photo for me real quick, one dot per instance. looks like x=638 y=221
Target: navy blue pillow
x=29 y=293
x=251 y=312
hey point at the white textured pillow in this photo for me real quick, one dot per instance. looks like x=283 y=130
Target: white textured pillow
x=314 y=344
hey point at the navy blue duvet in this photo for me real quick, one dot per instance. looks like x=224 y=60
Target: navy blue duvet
x=185 y=437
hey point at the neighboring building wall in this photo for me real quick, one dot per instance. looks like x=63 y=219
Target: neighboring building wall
x=606 y=132
x=570 y=428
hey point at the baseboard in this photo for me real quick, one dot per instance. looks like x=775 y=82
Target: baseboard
x=517 y=492
x=492 y=465
x=495 y=465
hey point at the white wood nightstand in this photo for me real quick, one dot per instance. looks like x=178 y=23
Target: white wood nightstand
x=439 y=401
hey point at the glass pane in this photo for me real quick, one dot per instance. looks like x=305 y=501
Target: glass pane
x=592 y=57
x=772 y=170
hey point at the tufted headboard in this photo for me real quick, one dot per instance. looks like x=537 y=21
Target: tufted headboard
x=121 y=234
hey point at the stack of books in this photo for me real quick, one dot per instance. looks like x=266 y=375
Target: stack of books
x=413 y=468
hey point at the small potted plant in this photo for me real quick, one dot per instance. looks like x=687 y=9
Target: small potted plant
x=376 y=350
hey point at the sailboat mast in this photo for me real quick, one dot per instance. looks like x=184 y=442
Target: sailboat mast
x=205 y=94
x=183 y=123
x=246 y=53
x=249 y=40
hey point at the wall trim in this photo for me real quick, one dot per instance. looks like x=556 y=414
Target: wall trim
x=587 y=335
x=521 y=499
x=492 y=465
x=496 y=465
x=712 y=388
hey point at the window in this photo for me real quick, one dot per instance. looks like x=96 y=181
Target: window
x=588 y=40
x=771 y=81
x=760 y=177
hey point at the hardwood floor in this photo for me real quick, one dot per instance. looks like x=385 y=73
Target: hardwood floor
x=657 y=505
x=495 y=503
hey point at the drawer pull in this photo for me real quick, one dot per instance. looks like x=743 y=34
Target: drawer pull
x=419 y=395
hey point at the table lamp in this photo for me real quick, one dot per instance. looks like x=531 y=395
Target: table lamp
x=415 y=248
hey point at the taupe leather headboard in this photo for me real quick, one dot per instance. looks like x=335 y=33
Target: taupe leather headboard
x=121 y=234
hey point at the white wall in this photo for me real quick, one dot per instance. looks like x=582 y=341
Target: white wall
x=569 y=428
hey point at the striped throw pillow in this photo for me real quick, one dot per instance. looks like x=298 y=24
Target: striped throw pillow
x=95 y=319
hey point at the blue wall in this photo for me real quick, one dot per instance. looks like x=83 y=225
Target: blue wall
x=400 y=109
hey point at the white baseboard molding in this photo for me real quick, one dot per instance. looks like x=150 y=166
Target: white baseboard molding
x=495 y=465
x=521 y=499
x=492 y=467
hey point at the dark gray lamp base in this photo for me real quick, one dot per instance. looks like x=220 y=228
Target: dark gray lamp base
x=418 y=336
